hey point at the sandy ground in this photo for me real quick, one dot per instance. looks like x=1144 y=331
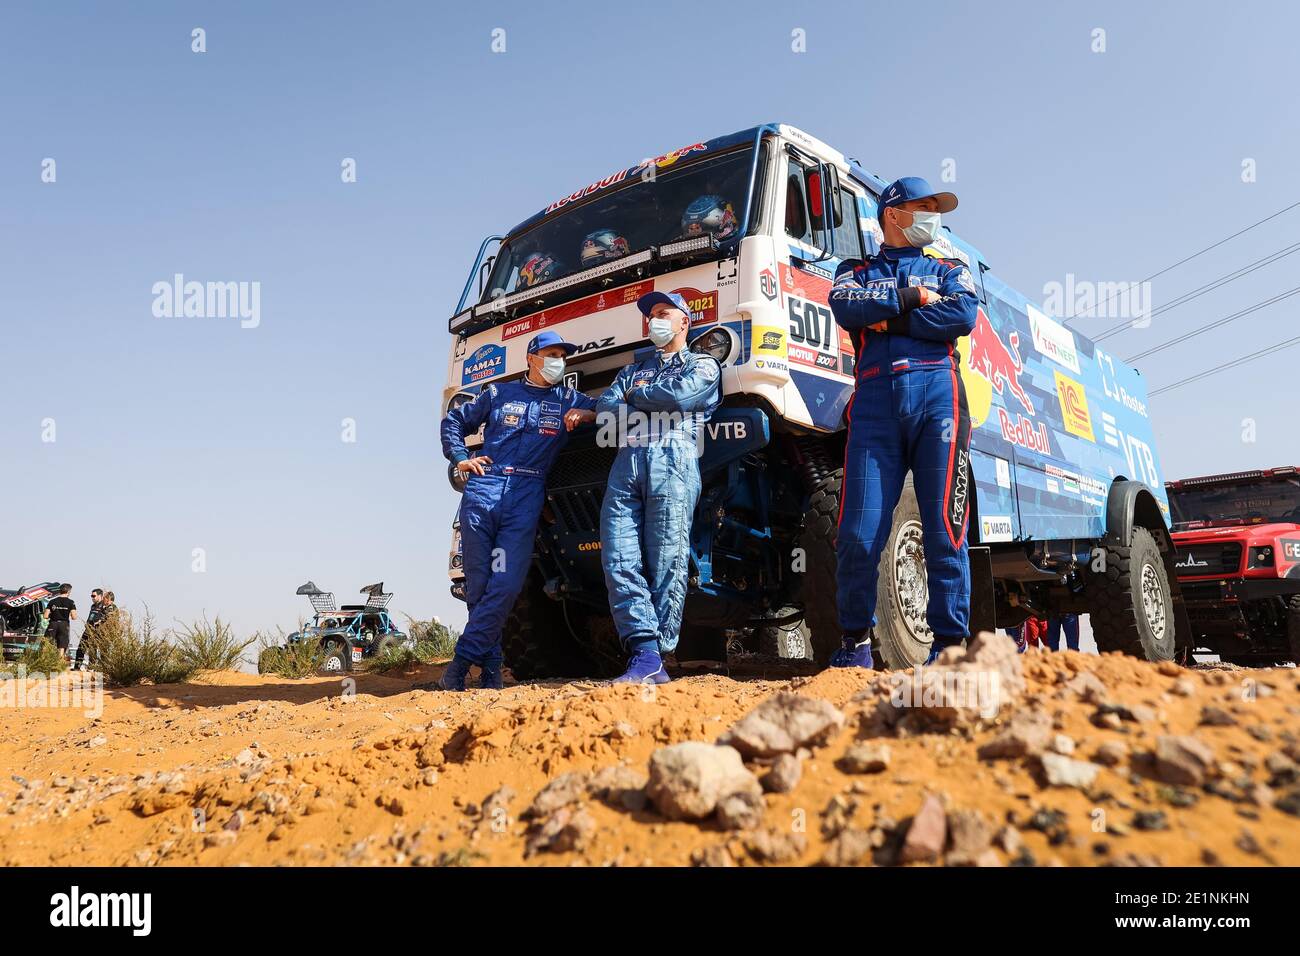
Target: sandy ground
x=244 y=769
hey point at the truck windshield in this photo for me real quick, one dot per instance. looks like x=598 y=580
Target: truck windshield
x=1251 y=502
x=680 y=201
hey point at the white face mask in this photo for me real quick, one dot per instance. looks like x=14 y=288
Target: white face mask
x=661 y=331
x=553 y=369
x=923 y=230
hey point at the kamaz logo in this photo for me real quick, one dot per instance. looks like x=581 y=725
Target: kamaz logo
x=600 y=344
x=959 y=492
x=1191 y=562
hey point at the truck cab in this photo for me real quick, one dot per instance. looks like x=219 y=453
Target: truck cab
x=1064 y=478
x=1238 y=537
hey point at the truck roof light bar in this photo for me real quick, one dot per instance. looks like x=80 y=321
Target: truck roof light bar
x=586 y=275
x=682 y=247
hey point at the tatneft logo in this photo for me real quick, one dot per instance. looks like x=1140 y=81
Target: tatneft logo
x=74 y=908
x=208 y=300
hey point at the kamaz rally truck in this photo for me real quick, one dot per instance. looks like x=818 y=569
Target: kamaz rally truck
x=1238 y=538
x=1067 y=507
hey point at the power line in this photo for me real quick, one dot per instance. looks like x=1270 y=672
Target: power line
x=1227 y=365
x=1195 y=254
x=1203 y=290
x=1213 y=325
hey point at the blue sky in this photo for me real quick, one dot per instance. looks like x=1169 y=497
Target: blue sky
x=177 y=434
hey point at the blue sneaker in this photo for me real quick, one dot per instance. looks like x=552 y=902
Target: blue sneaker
x=645 y=667
x=854 y=652
x=453 y=678
x=489 y=676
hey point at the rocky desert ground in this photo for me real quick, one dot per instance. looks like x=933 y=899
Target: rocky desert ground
x=1080 y=761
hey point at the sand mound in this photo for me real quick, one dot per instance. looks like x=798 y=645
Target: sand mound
x=1076 y=760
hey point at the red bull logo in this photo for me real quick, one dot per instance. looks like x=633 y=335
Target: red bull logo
x=1025 y=433
x=1000 y=365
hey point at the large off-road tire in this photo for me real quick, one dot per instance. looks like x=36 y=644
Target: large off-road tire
x=537 y=643
x=903 y=637
x=816 y=544
x=1130 y=605
x=598 y=639
x=337 y=659
x=1293 y=628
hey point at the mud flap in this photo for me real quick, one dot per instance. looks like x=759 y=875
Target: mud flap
x=983 y=601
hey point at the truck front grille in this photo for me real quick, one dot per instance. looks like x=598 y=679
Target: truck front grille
x=1198 y=559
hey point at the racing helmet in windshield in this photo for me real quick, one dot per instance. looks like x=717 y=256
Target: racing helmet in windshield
x=538 y=268
x=603 y=245
x=709 y=215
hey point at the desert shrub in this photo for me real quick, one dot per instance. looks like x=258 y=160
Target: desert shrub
x=438 y=638
x=45 y=658
x=407 y=657
x=277 y=656
x=210 y=646
x=130 y=652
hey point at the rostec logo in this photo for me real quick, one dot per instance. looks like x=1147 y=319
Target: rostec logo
x=767 y=284
x=1074 y=406
x=485 y=362
x=1024 y=433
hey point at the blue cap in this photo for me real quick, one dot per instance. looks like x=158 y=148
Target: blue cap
x=548 y=338
x=651 y=299
x=913 y=187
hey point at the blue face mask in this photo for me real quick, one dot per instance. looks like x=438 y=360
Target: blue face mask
x=661 y=331
x=553 y=369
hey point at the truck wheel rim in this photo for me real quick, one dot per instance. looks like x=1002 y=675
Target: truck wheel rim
x=332 y=663
x=911 y=588
x=1153 y=601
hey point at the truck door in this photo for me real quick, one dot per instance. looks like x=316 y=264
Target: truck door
x=820 y=352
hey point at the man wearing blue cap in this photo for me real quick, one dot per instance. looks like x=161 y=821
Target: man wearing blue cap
x=905 y=309
x=527 y=424
x=659 y=404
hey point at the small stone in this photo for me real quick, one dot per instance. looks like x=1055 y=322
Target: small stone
x=783 y=776
x=220 y=838
x=770 y=845
x=927 y=834
x=244 y=757
x=1217 y=717
x=688 y=780
x=1063 y=744
x=1184 y=687
x=782 y=724
x=1112 y=753
x=1065 y=772
x=1182 y=760
x=1009 y=841
x=740 y=811
x=563 y=790
x=97 y=741
x=969 y=835
x=850 y=848
x=865 y=758
x=714 y=855
x=1027 y=733
x=1150 y=820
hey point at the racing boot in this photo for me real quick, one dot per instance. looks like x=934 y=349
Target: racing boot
x=645 y=667
x=855 y=651
x=489 y=675
x=940 y=644
x=453 y=678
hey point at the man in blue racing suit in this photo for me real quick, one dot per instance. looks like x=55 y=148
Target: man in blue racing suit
x=527 y=423
x=905 y=310
x=659 y=406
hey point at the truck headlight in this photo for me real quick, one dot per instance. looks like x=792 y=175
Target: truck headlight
x=720 y=343
x=1261 y=557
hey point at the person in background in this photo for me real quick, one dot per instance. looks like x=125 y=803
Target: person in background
x=61 y=612
x=1070 y=624
x=93 y=619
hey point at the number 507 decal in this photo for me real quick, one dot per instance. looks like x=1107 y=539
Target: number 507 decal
x=814 y=337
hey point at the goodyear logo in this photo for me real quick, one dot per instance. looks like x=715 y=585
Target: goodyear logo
x=484 y=362
x=589 y=545
x=1074 y=406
